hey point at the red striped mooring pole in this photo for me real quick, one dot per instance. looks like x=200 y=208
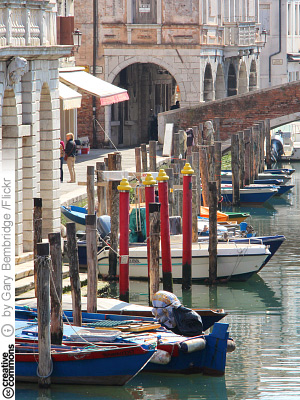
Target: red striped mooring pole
x=187 y=172
x=124 y=189
x=166 y=259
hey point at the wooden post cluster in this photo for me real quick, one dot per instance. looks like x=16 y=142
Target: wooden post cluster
x=154 y=218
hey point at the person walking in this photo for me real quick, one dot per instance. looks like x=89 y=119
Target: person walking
x=62 y=154
x=70 y=153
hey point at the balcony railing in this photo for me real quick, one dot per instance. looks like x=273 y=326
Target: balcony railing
x=24 y=26
x=240 y=34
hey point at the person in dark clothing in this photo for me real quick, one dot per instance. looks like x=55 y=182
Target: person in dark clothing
x=176 y=105
x=171 y=314
x=70 y=153
x=62 y=154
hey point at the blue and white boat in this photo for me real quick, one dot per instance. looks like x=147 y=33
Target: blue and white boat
x=252 y=195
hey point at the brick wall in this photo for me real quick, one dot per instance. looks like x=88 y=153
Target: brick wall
x=239 y=112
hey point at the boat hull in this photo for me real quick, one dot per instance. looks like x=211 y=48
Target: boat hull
x=238 y=262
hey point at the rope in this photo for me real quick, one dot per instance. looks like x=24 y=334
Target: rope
x=46 y=376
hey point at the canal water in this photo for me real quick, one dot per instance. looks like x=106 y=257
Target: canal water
x=263 y=317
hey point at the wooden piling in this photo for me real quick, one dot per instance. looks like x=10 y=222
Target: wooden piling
x=91 y=255
x=144 y=157
x=56 y=288
x=196 y=134
x=195 y=199
x=90 y=188
x=235 y=164
x=218 y=162
x=261 y=146
x=213 y=240
x=152 y=155
x=200 y=134
x=43 y=312
x=170 y=173
x=196 y=168
x=256 y=150
x=114 y=217
x=37 y=233
x=154 y=219
x=138 y=162
x=101 y=190
x=268 y=143
x=204 y=175
x=176 y=151
x=242 y=158
x=74 y=273
x=248 y=145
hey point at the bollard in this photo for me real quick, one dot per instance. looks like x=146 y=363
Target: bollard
x=149 y=183
x=166 y=259
x=187 y=172
x=124 y=189
x=43 y=312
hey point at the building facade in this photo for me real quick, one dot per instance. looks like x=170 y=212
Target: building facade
x=30 y=110
x=162 y=51
x=281 y=54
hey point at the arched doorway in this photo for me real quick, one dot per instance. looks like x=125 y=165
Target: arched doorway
x=208 y=84
x=220 y=90
x=231 y=81
x=243 y=81
x=152 y=89
x=253 y=77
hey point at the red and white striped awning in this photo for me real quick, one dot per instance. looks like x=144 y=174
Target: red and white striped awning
x=107 y=92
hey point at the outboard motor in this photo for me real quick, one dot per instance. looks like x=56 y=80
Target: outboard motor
x=103 y=225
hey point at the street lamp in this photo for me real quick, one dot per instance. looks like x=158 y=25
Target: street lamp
x=264 y=34
x=77 y=39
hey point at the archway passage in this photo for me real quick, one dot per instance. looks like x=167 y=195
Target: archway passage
x=231 y=81
x=152 y=89
x=208 y=84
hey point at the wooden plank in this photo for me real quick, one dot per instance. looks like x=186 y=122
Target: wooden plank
x=168 y=138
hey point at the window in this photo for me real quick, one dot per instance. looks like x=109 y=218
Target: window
x=144 y=11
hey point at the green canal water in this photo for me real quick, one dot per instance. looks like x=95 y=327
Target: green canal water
x=263 y=317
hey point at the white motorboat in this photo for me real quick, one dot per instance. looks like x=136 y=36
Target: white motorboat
x=236 y=261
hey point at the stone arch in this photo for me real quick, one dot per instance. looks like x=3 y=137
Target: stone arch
x=150 y=60
x=49 y=163
x=253 y=76
x=242 y=81
x=208 y=85
x=231 y=81
x=12 y=149
x=220 y=90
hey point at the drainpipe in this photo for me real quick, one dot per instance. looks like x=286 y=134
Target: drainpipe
x=279 y=50
x=95 y=47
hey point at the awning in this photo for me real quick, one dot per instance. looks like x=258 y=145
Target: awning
x=107 y=92
x=70 y=98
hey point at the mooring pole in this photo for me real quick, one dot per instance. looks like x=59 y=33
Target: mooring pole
x=37 y=233
x=149 y=183
x=166 y=259
x=187 y=172
x=43 y=311
x=56 y=288
x=124 y=189
x=154 y=217
x=213 y=240
x=91 y=254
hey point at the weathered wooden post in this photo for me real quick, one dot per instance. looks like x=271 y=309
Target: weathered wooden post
x=213 y=240
x=90 y=188
x=268 y=143
x=242 y=158
x=196 y=168
x=101 y=190
x=91 y=255
x=149 y=183
x=154 y=218
x=200 y=134
x=152 y=155
x=218 y=162
x=256 y=151
x=235 y=169
x=204 y=175
x=196 y=138
x=138 y=169
x=195 y=199
x=56 y=288
x=166 y=259
x=176 y=151
x=124 y=189
x=248 y=144
x=170 y=173
x=144 y=157
x=187 y=227
x=74 y=273
x=114 y=216
x=43 y=312
x=37 y=232
x=261 y=146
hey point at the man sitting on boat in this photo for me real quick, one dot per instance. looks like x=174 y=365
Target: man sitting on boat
x=171 y=314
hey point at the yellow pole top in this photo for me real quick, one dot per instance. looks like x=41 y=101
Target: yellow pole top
x=149 y=180
x=187 y=170
x=162 y=176
x=124 y=185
